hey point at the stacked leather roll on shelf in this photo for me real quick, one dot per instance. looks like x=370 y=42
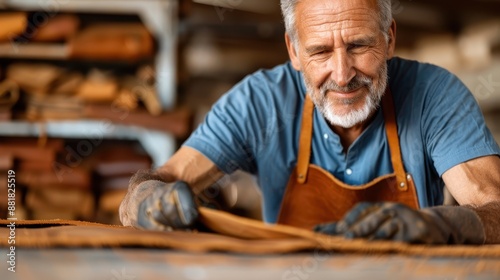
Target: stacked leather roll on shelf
x=55 y=93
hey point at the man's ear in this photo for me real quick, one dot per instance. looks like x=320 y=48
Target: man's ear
x=392 y=40
x=292 y=52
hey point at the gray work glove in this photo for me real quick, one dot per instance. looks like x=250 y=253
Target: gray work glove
x=398 y=222
x=171 y=206
x=155 y=205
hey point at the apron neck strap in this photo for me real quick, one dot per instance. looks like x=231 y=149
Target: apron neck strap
x=306 y=132
x=391 y=130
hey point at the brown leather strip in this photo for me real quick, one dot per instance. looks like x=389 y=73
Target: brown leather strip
x=391 y=130
x=239 y=235
x=305 y=140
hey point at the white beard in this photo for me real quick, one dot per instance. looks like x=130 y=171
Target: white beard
x=355 y=116
x=351 y=118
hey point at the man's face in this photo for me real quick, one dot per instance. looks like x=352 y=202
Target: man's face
x=342 y=54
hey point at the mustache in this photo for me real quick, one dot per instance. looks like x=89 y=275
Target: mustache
x=357 y=82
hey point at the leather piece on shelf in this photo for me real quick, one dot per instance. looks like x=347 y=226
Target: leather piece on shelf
x=114 y=163
x=53 y=107
x=37 y=166
x=238 y=235
x=58 y=28
x=9 y=95
x=30 y=150
x=115 y=183
x=12 y=25
x=67 y=83
x=55 y=144
x=33 y=78
x=67 y=203
x=110 y=200
x=41 y=79
x=178 y=122
x=66 y=198
x=127 y=41
x=146 y=74
x=61 y=177
x=98 y=87
x=145 y=92
x=30 y=154
x=5 y=115
x=6 y=162
x=126 y=100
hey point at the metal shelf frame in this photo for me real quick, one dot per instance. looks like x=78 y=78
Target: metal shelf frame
x=160 y=146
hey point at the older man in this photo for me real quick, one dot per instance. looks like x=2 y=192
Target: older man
x=343 y=124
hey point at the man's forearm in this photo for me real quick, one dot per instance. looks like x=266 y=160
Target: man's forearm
x=192 y=167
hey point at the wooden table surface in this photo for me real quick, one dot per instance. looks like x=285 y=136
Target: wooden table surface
x=135 y=264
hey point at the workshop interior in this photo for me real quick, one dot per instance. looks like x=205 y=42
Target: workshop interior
x=93 y=91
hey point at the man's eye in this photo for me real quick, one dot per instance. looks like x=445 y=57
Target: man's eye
x=354 y=46
x=321 y=53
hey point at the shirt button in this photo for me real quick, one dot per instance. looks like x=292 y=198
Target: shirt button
x=348 y=171
x=325 y=136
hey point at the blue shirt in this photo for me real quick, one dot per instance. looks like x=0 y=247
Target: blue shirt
x=255 y=127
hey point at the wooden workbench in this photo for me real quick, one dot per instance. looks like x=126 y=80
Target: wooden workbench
x=135 y=264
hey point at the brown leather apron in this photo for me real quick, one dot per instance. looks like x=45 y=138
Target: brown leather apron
x=314 y=196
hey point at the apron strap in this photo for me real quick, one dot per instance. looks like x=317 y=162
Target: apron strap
x=390 y=129
x=306 y=132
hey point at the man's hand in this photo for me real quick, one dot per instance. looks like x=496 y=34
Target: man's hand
x=397 y=222
x=171 y=206
x=153 y=204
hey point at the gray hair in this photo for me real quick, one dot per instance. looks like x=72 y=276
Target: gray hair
x=288 y=11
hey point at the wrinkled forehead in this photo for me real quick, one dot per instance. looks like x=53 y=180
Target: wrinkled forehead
x=322 y=15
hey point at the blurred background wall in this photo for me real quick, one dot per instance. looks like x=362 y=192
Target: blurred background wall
x=91 y=91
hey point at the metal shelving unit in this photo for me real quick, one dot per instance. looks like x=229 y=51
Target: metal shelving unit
x=158 y=144
x=159 y=16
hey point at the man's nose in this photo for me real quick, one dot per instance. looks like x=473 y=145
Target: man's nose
x=342 y=70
